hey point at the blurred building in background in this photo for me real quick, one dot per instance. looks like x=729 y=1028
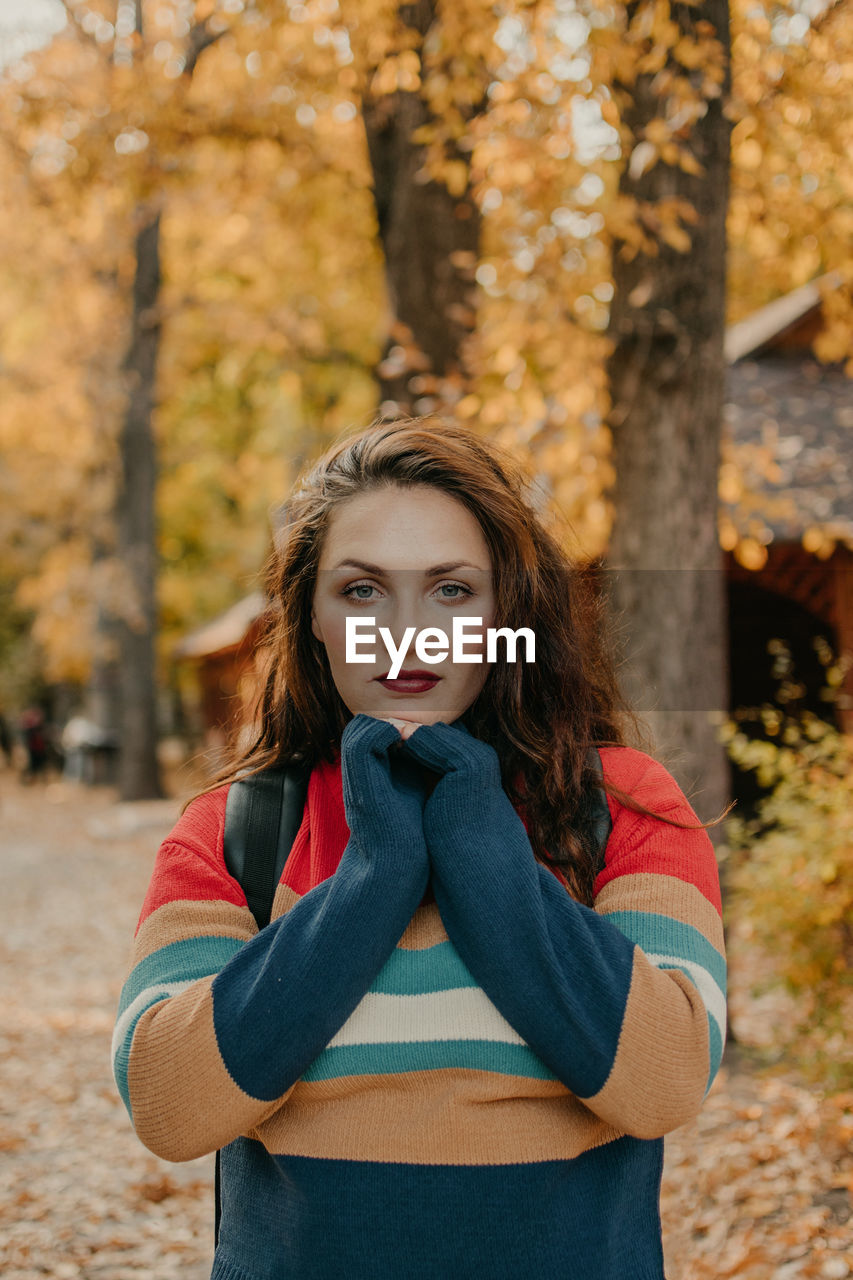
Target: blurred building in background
x=222 y=654
x=789 y=422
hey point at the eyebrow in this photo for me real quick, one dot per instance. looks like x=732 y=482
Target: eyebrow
x=429 y=573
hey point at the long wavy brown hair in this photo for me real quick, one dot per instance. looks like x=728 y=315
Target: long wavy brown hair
x=541 y=717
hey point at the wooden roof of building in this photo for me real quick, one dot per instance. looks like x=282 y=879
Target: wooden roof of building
x=790 y=419
x=226 y=632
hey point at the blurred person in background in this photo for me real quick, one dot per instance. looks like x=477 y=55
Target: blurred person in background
x=6 y=741
x=34 y=735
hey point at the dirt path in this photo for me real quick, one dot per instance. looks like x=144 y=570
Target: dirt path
x=79 y=1195
x=757 y=1187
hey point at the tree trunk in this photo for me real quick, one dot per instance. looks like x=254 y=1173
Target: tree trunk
x=138 y=771
x=666 y=373
x=103 y=697
x=422 y=228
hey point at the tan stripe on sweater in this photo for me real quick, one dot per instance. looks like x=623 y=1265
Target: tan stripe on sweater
x=183 y=1101
x=446 y=1116
x=646 y=891
x=177 y=920
x=285 y=898
x=660 y=1071
x=425 y=928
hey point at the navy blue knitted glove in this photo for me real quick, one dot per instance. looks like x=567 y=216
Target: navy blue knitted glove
x=285 y=994
x=469 y=772
x=382 y=796
x=559 y=974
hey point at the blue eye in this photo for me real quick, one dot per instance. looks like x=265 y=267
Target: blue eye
x=449 y=591
x=357 y=587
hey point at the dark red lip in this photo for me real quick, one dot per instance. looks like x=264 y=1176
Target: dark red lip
x=411 y=675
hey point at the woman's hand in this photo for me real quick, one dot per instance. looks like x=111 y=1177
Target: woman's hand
x=405 y=727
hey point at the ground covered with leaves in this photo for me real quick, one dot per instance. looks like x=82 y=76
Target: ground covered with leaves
x=758 y=1186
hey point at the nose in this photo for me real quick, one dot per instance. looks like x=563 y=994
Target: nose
x=411 y=613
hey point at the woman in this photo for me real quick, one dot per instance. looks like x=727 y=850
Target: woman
x=457 y=1046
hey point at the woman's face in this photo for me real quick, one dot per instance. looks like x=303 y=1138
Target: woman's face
x=406 y=557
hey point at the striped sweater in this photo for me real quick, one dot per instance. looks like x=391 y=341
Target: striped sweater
x=433 y=1062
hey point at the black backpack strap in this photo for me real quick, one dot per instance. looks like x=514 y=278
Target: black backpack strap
x=600 y=821
x=217 y=1197
x=263 y=813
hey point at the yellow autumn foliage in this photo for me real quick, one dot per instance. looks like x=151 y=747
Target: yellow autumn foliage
x=790 y=875
x=274 y=305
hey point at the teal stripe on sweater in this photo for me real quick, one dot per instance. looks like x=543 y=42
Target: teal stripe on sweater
x=662 y=934
x=427 y=1055
x=715 y=1045
x=182 y=961
x=122 y=1043
x=417 y=973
